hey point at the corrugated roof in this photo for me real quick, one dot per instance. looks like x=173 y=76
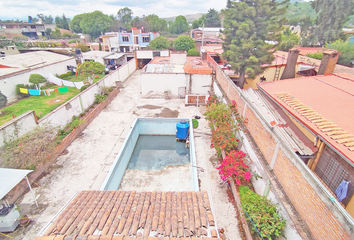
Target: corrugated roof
x=105 y=214
x=324 y=104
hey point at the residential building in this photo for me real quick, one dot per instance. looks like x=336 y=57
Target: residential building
x=128 y=42
x=32 y=30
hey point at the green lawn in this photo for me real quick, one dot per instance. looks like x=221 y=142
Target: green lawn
x=42 y=105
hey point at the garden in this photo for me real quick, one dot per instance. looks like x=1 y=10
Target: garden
x=260 y=213
x=88 y=73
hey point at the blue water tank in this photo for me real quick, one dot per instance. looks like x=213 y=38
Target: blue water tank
x=182 y=129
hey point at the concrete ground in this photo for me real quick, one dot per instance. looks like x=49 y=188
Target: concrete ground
x=88 y=159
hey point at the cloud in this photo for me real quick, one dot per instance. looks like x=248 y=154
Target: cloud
x=163 y=8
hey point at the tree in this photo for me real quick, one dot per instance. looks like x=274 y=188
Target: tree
x=198 y=23
x=347 y=50
x=160 y=43
x=180 y=25
x=332 y=15
x=3 y=100
x=37 y=79
x=125 y=15
x=83 y=47
x=212 y=19
x=62 y=22
x=90 y=69
x=46 y=19
x=193 y=52
x=184 y=43
x=75 y=23
x=288 y=40
x=95 y=23
x=247 y=25
x=56 y=34
x=154 y=24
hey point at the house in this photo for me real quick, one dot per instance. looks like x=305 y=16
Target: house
x=208 y=32
x=128 y=42
x=143 y=57
x=323 y=108
x=16 y=69
x=206 y=36
x=32 y=30
x=177 y=75
x=97 y=56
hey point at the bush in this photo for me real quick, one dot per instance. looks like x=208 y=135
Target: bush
x=318 y=55
x=27 y=86
x=195 y=123
x=193 y=52
x=100 y=98
x=83 y=88
x=36 y=78
x=66 y=76
x=263 y=213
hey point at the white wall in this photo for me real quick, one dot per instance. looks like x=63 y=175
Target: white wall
x=8 y=85
x=144 y=54
x=162 y=82
x=178 y=58
x=23 y=124
x=200 y=84
x=164 y=53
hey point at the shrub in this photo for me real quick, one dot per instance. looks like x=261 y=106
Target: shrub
x=3 y=100
x=263 y=213
x=100 y=98
x=36 y=78
x=62 y=133
x=195 y=123
x=30 y=150
x=66 y=76
x=318 y=55
x=27 y=86
x=83 y=88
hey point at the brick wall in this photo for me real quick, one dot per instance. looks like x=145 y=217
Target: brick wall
x=322 y=222
x=193 y=99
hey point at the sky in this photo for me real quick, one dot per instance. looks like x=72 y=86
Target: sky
x=21 y=9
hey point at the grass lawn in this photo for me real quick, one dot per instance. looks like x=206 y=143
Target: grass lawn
x=42 y=105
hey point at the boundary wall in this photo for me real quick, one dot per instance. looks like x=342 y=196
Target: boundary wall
x=322 y=213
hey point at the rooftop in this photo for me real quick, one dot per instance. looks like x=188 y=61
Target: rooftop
x=131 y=213
x=92 y=54
x=193 y=65
x=27 y=61
x=311 y=101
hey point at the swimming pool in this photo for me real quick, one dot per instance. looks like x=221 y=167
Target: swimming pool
x=155 y=146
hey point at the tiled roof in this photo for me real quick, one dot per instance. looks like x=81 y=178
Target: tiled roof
x=324 y=104
x=195 y=65
x=114 y=214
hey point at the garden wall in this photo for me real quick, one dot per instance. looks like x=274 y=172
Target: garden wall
x=311 y=199
x=63 y=114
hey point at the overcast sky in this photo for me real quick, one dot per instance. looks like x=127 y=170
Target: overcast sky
x=20 y=9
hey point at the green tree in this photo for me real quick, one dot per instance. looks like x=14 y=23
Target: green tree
x=332 y=15
x=288 y=40
x=95 y=23
x=56 y=34
x=46 y=19
x=3 y=100
x=198 y=23
x=83 y=47
x=347 y=50
x=160 y=43
x=37 y=79
x=193 y=52
x=248 y=24
x=125 y=15
x=154 y=24
x=212 y=18
x=180 y=25
x=62 y=22
x=90 y=69
x=183 y=43
x=136 y=22
x=75 y=23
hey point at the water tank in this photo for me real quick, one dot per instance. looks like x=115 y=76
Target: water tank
x=182 y=129
x=77 y=51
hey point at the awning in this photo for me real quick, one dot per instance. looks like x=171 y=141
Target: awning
x=115 y=56
x=9 y=178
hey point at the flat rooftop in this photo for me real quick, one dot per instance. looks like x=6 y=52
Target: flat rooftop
x=27 y=61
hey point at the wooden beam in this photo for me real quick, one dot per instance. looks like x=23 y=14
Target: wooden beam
x=314 y=164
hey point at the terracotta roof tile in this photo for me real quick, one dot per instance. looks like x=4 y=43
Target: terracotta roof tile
x=102 y=215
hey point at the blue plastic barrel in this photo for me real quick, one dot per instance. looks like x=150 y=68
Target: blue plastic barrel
x=182 y=129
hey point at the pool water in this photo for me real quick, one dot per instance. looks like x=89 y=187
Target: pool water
x=154 y=152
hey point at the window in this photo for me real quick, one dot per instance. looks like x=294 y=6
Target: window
x=125 y=38
x=156 y=54
x=33 y=26
x=146 y=39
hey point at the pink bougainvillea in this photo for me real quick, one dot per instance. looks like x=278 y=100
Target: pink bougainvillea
x=233 y=165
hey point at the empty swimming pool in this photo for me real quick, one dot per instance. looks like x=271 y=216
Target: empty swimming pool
x=150 y=157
